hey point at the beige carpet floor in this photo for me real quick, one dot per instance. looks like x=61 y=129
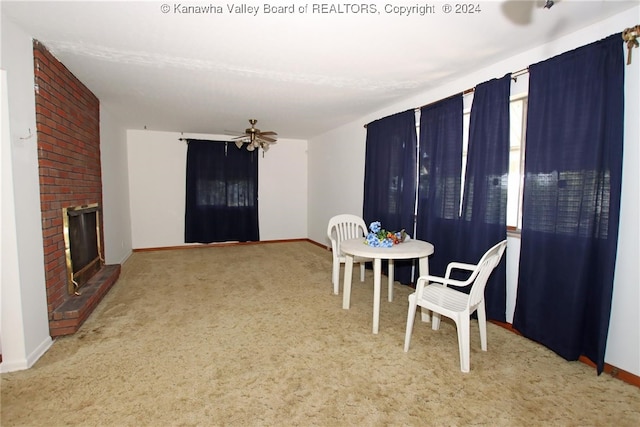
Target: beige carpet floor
x=252 y=335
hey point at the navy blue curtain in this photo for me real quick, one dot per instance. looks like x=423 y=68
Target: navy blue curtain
x=439 y=187
x=390 y=178
x=221 y=193
x=483 y=219
x=573 y=166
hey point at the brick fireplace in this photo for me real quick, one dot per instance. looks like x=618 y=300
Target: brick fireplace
x=68 y=126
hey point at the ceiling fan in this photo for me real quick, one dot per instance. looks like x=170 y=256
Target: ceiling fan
x=255 y=138
x=521 y=12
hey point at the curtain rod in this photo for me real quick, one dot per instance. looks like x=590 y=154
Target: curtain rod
x=514 y=77
x=187 y=140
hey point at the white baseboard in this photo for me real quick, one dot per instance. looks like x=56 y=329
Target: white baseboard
x=29 y=361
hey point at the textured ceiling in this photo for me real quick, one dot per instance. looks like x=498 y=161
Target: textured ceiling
x=175 y=66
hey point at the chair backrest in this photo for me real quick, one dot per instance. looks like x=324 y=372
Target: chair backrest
x=344 y=227
x=487 y=264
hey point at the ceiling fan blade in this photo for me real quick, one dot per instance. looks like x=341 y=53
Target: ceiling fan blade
x=269 y=132
x=266 y=138
x=233 y=132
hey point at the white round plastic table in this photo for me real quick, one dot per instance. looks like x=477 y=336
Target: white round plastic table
x=408 y=249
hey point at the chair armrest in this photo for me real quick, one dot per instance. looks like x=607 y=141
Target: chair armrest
x=460 y=266
x=425 y=280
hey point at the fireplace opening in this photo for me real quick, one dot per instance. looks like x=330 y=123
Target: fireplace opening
x=82 y=244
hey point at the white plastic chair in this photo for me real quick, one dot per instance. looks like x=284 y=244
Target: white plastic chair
x=345 y=227
x=432 y=293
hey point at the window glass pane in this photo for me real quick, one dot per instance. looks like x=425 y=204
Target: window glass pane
x=210 y=192
x=513 y=188
x=518 y=107
x=239 y=193
x=466 y=118
x=515 y=140
x=516 y=158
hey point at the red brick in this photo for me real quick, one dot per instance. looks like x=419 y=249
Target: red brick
x=68 y=126
x=55 y=331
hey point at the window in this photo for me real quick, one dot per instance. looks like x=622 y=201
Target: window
x=221 y=193
x=229 y=193
x=518 y=123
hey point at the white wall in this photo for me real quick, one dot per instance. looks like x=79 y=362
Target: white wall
x=336 y=177
x=25 y=325
x=339 y=189
x=282 y=191
x=115 y=189
x=157 y=174
x=623 y=345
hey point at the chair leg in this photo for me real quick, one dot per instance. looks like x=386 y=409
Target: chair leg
x=462 y=324
x=435 y=321
x=335 y=277
x=482 y=325
x=362 y=271
x=411 y=314
x=425 y=315
x=390 y=278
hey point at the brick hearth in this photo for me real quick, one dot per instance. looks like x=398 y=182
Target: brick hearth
x=69 y=316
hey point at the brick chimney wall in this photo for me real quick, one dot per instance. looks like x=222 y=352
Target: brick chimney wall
x=68 y=126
